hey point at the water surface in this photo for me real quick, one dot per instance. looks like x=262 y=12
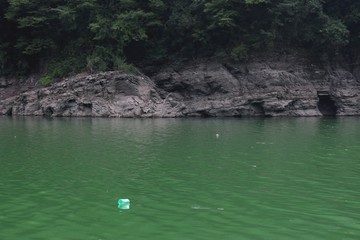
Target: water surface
x=261 y=179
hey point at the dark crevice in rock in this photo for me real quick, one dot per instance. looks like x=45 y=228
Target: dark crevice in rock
x=258 y=108
x=9 y=112
x=237 y=115
x=326 y=104
x=49 y=111
x=204 y=114
x=87 y=105
x=87 y=108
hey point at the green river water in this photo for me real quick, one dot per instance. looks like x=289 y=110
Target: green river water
x=260 y=179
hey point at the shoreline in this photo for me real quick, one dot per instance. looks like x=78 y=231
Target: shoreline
x=285 y=86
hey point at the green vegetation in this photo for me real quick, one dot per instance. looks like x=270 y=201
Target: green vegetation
x=60 y=37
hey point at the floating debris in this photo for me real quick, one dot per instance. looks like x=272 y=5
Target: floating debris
x=124 y=204
x=200 y=208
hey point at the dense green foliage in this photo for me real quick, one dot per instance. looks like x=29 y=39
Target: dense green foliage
x=59 y=37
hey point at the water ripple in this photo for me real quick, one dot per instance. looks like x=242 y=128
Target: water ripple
x=261 y=179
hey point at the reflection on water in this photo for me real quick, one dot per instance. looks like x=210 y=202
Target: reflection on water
x=260 y=179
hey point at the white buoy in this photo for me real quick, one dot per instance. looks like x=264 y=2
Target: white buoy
x=217 y=135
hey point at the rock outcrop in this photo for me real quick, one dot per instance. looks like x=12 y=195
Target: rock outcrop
x=110 y=94
x=281 y=86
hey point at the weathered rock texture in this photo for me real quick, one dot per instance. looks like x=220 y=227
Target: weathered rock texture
x=281 y=86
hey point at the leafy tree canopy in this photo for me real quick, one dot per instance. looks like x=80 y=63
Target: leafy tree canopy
x=60 y=37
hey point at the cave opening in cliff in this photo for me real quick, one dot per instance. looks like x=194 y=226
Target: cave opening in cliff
x=9 y=112
x=49 y=112
x=326 y=105
x=258 y=109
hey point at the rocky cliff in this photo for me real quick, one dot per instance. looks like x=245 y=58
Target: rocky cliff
x=276 y=86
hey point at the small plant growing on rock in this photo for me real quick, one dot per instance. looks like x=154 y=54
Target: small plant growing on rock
x=121 y=65
x=240 y=53
x=46 y=80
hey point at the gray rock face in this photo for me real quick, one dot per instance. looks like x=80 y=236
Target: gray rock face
x=283 y=86
x=287 y=86
x=110 y=94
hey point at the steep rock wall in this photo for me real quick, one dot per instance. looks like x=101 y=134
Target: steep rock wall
x=280 y=86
